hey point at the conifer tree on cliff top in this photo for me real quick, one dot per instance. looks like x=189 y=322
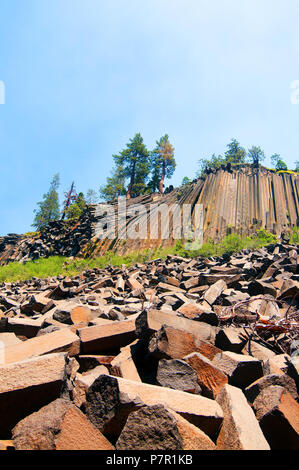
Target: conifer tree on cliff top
x=135 y=164
x=115 y=185
x=48 y=208
x=235 y=153
x=163 y=163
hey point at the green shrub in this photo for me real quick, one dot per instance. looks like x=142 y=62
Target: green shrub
x=294 y=240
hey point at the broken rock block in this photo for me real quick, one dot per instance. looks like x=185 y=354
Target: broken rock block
x=109 y=337
x=158 y=428
x=171 y=343
x=82 y=383
x=210 y=378
x=212 y=294
x=281 y=380
x=27 y=386
x=24 y=326
x=230 y=339
x=258 y=351
x=58 y=341
x=9 y=339
x=37 y=303
x=178 y=375
x=81 y=315
x=58 y=426
x=240 y=429
x=110 y=400
x=257 y=287
x=152 y=320
x=278 y=415
x=62 y=313
x=278 y=364
x=242 y=370
x=123 y=364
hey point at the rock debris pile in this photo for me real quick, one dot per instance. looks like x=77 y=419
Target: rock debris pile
x=180 y=354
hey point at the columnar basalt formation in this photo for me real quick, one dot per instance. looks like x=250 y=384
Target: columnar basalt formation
x=241 y=200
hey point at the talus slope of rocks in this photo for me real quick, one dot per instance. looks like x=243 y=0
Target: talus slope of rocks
x=180 y=355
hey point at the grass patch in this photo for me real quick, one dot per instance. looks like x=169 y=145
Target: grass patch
x=59 y=265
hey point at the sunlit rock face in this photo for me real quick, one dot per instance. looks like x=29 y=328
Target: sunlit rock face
x=241 y=199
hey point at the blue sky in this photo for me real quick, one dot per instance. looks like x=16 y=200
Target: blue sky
x=83 y=76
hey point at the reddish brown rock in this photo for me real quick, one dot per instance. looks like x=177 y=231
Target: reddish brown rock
x=27 y=386
x=278 y=415
x=58 y=341
x=212 y=294
x=240 y=429
x=152 y=320
x=170 y=343
x=58 y=426
x=209 y=377
x=110 y=400
x=6 y=445
x=81 y=315
x=281 y=380
x=123 y=364
x=110 y=337
x=230 y=339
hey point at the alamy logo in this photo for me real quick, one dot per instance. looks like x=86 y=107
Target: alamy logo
x=2 y=92
x=2 y=351
x=151 y=222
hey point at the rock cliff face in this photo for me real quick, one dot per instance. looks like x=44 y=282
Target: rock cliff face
x=239 y=200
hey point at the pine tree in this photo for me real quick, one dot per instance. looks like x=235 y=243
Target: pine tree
x=163 y=163
x=115 y=186
x=75 y=210
x=235 y=153
x=204 y=165
x=185 y=181
x=256 y=155
x=278 y=162
x=48 y=210
x=135 y=164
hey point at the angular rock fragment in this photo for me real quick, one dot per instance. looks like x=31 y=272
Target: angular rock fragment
x=230 y=339
x=210 y=378
x=27 y=386
x=158 y=428
x=58 y=341
x=242 y=370
x=6 y=445
x=171 y=343
x=24 y=326
x=58 y=426
x=110 y=337
x=215 y=291
x=281 y=380
x=110 y=400
x=152 y=320
x=278 y=416
x=240 y=429
x=9 y=339
x=123 y=364
x=178 y=375
x=258 y=351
